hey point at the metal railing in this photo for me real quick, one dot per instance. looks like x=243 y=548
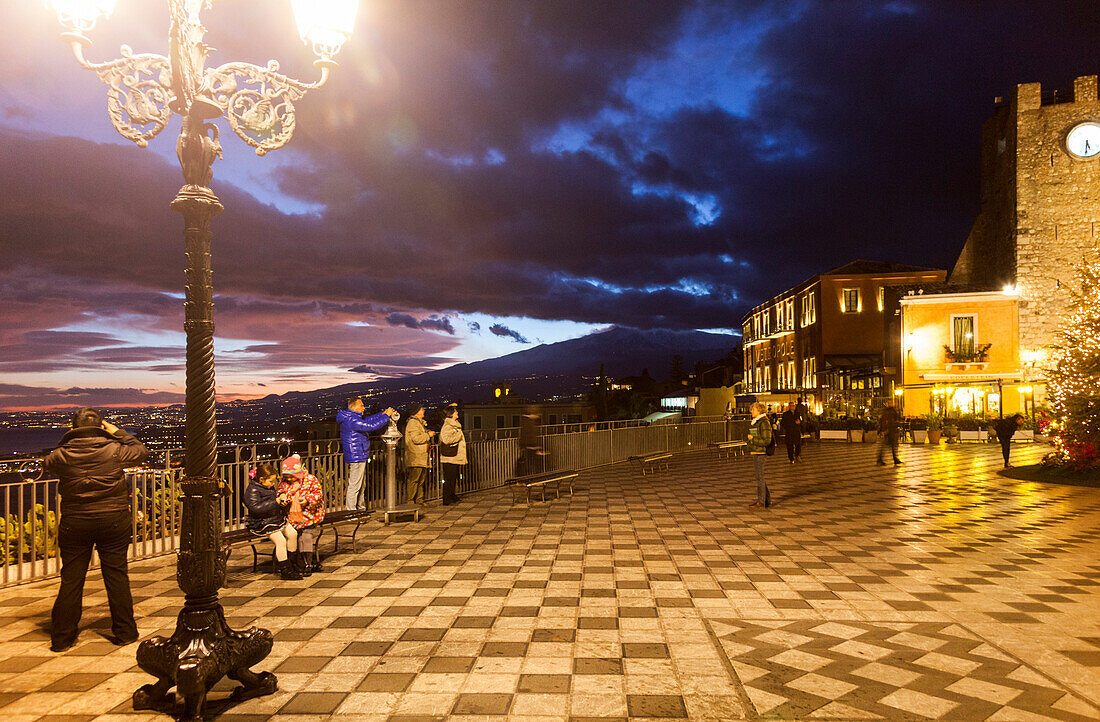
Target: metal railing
x=31 y=508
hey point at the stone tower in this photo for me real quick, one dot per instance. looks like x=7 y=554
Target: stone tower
x=1040 y=202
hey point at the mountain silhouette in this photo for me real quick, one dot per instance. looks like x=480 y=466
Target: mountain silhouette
x=565 y=368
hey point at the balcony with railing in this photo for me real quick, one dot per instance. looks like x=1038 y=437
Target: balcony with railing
x=968 y=358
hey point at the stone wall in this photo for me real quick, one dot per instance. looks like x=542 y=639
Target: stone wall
x=1057 y=206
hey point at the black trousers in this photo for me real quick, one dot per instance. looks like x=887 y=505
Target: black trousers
x=794 y=445
x=1006 y=444
x=110 y=535
x=450 y=482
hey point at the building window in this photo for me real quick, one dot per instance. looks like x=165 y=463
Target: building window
x=515 y=421
x=767 y=378
x=781 y=317
x=782 y=369
x=809 y=373
x=963 y=335
x=477 y=422
x=500 y=421
x=809 y=311
x=553 y=419
x=790 y=314
x=791 y=377
x=767 y=322
x=850 y=301
x=881 y=297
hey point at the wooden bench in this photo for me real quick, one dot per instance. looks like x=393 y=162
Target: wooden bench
x=550 y=480
x=652 y=462
x=728 y=448
x=242 y=537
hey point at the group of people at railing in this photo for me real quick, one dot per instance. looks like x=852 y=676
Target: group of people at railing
x=286 y=504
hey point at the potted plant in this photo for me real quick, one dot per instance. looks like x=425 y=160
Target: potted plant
x=855 y=430
x=970 y=429
x=950 y=430
x=832 y=429
x=934 y=424
x=1027 y=432
x=870 y=430
x=919 y=428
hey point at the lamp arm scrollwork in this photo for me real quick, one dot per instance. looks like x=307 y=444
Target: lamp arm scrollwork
x=258 y=101
x=139 y=94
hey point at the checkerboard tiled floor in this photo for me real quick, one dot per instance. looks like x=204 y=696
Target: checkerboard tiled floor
x=938 y=590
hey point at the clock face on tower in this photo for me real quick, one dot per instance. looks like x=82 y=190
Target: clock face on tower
x=1083 y=140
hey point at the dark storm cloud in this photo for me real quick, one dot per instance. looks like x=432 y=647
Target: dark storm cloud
x=501 y=330
x=432 y=323
x=439 y=189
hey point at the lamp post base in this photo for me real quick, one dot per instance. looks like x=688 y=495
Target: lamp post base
x=202 y=650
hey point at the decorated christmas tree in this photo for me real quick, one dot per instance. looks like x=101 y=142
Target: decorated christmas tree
x=1074 y=378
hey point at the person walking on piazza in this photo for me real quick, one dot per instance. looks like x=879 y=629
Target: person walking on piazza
x=452 y=452
x=417 y=438
x=889 y=429
x=356 y=445
x=529 y=444
x=307 y=510
x=791 y=427
x=1005 y=429
x=89 y=464
x=266 y=519
x=761 y=442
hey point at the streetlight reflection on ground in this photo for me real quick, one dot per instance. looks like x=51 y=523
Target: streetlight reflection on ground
x=258 y=104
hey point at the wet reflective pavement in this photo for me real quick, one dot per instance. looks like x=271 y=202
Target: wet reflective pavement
x=933 y=590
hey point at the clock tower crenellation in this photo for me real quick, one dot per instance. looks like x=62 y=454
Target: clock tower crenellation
x=1040 y=201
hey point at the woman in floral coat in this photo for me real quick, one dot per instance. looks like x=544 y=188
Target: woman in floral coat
x=307 y=509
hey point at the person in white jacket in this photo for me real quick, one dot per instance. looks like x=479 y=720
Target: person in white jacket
x=452 y=452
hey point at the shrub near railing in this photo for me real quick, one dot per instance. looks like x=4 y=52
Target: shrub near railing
x=34 y=538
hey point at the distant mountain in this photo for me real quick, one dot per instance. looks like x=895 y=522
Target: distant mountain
x=564 y=368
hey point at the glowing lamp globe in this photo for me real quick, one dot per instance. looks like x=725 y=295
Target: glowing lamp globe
x=325 y=24
x=81 y=15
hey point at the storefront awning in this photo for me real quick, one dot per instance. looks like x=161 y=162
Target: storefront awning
x=856 y=362
x=972 y=378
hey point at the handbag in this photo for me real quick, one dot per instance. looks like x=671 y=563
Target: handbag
x=449 y=450
x=295 y=515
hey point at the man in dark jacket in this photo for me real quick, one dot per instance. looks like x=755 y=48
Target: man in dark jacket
x=95 y=513
x=1005 y=429
x=889 y=432
x=792 y=433
x=356 y=444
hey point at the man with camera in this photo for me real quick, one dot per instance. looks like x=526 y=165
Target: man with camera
x=95 y=513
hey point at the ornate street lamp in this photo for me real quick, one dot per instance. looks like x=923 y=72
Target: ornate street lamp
x=258 y=103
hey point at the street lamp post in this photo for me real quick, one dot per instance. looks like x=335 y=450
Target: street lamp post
x=258 y=104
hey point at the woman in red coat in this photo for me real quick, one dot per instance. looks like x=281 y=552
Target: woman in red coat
x=307 y=509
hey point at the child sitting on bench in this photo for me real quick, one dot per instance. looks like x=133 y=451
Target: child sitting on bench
x=307 y=509
x=267 y=518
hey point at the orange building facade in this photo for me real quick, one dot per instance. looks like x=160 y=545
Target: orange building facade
x=960 y=354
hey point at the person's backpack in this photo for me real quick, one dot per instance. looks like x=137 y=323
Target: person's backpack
x=769 y=450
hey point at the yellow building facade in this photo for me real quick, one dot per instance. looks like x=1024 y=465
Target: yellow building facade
x=961 y=355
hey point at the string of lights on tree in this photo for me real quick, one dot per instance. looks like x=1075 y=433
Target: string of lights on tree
x=1074 y=375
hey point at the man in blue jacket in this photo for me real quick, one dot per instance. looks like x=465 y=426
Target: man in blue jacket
x=353 y=437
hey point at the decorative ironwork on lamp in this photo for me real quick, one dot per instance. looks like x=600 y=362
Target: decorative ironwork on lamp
x=144 y=90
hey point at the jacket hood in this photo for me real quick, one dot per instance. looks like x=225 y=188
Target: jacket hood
x=85 y=432
x=344 y=414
